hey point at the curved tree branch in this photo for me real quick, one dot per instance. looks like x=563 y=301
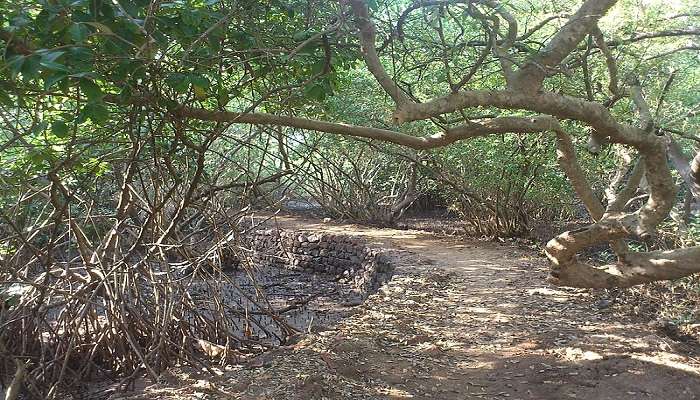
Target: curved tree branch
x=557 y=105
x=467 y=131
x=369 y=52
x=530 y=76
x=566 y=156
x=609 y=59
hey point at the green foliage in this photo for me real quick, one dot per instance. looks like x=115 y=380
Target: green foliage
x=83 y=68
x=96 y=139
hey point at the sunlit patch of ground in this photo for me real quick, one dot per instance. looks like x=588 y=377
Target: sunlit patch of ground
x=460 y=320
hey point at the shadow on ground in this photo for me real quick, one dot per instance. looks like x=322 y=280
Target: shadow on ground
x=462 y=320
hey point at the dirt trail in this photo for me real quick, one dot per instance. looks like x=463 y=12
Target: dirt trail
x=462 y=320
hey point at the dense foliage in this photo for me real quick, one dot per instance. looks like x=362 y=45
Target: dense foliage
x=137 y=132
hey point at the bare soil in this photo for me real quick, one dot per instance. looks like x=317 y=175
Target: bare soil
x=459 y=320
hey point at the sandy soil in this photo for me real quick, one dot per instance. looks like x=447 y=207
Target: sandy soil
x=460 y=320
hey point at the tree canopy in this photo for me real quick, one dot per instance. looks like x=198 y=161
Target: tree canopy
x=137 y=135
x=86 y=84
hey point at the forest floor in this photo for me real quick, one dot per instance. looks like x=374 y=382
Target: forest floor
x=460 y=320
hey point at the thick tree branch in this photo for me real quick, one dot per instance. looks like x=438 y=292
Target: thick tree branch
x=467 y=131
x=530 y=76
x=512 y=32
x=636 y=269
x=566 y=156
x=662 y=190
x=367 y=37
x=645 y=118
x=632 y=268
x=499 y=48
x=695 y=174
x=560 y=106
x=618 y=201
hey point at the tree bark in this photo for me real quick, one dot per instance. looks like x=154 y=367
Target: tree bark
x=530 y=76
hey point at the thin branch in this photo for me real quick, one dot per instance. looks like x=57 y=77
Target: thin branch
x=609 y=59
x=656 y=35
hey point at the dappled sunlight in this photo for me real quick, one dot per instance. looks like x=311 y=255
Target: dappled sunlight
x=478 y=310
x=152 y=153
x=414 y=247
x=459 y=321
x=669 y=360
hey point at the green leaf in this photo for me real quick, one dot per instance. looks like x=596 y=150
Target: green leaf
x=90 y=74
x=53 y=79
x=247 y=41
x=222 y=97
x=59 y=128
x=39 y=128
x=54 y=66
x=316 y=92
x=81 y=54
x=51 y=56
x=5 y=99
x=318 y=66
x=31 y=66
x=15 y=63
x=179 y=82
x=200 y=93
x=107 y=10
x=96 y=112
x=91 y=90
x=78 y=32
x=199 y=80
x=102 y=28
x=301 y=36
x=126 y=69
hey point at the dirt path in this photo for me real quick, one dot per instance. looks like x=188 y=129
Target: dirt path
x=463 y=320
